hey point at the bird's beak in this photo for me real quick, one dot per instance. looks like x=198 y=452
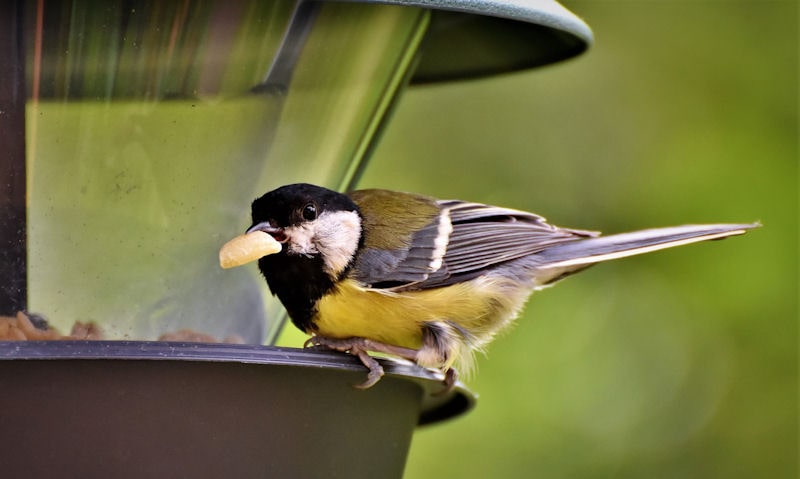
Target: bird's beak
x=260 y=240
x=274 y=231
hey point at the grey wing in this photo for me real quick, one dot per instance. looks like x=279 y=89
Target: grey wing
x=421 y=257
x=483 y=237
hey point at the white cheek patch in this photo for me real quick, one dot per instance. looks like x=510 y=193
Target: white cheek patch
x=337 y=236
x=334 y=234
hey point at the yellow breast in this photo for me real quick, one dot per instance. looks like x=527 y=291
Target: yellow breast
x=480 y=307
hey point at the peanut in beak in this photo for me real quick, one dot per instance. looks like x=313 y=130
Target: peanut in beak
x=247 y=248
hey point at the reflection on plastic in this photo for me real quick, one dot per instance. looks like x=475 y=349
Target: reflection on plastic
x=149 y=140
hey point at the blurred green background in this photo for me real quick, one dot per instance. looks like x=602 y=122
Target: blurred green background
x=677 y=364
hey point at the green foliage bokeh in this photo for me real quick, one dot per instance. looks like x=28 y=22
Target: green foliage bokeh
x=676 y=364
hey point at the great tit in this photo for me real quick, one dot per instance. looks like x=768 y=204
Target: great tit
x=428 y=280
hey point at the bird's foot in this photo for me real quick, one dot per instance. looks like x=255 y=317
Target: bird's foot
x=450 y=378
x=360 y=348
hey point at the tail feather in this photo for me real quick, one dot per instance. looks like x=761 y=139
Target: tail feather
x=566 y=258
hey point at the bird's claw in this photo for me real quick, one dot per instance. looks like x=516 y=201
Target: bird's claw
x=450 y=378
x=357 y=347
x=360 y=348
x=375 y=370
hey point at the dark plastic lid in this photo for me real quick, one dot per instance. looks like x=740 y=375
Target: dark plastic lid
x=160 y=409
x=435 y=406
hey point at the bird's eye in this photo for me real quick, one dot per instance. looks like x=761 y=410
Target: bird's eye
x=309 y=212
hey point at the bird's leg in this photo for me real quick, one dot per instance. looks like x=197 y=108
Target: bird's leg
x=360 y=347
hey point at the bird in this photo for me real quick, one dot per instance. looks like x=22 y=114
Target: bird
x=427 y=280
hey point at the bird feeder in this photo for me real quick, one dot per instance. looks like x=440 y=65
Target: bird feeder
x=135 y=136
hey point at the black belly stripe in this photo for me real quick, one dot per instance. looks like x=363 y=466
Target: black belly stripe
x=298 y=282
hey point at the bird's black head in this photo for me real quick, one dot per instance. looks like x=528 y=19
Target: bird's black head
x=320 y=230
x=292 y=205
x=309 y=220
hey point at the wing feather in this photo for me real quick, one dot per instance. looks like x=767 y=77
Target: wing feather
x=389 y=258
x=477 y=237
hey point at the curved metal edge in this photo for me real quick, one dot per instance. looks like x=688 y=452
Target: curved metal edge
x=436 y=407
x=548 y=13
x=536 y=33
